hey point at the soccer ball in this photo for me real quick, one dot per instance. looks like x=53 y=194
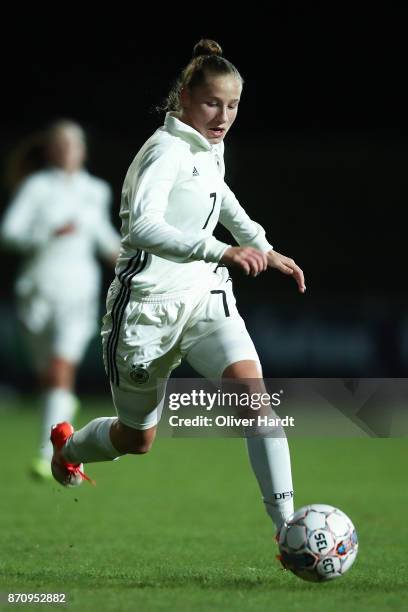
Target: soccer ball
x=318 y=543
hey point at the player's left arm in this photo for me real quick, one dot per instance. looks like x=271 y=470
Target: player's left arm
x=249 y=233
x=245 y=231
x=286 y=265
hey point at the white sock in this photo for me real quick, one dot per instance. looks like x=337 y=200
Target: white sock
x=58 y=405
x=270 y=460
x=92 y=443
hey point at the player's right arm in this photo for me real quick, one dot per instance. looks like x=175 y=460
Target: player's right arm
x=147 y=190
x=250 y=260
x=21 y=229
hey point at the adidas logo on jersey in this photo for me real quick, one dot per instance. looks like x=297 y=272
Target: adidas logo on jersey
x=195 y=171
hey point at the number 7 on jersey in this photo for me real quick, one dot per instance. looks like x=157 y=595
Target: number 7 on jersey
x=212 y=195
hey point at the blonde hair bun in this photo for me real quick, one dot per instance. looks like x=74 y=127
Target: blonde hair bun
x=207 y=46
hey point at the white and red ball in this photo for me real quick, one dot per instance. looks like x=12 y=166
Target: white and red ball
x=319 y=542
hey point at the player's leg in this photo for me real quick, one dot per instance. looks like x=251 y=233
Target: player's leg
x=59 y=402
x=269 y=455
x=102 y=439
x=129 y=440
x=139 y=357
x=132 y=431
x=107 y=438
x=69 y=331
x=228 y=352
x=59 y=373
x=55 y=378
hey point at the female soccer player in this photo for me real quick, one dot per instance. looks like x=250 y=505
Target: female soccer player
x=59 y=219
x=166 y=303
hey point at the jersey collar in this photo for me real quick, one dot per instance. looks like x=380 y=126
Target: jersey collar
x=68 y=175
x=181 y=129
x=75 y=178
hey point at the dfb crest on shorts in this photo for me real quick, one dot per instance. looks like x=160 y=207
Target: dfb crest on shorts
x=139 y=374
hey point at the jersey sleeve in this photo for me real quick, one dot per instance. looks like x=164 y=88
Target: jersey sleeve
x=20 y=229
x=107 y=239
x=245 y=231
x=148 y=200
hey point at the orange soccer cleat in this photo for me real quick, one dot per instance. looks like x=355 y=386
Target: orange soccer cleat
x=67 y=474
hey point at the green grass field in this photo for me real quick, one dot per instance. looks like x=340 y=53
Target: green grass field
x=183 y=528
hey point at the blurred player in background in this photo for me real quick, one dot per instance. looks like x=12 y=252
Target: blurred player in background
x=58 y=220
x=171 y=299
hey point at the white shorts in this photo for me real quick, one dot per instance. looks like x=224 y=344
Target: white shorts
x=54 y=328
x=144 y=339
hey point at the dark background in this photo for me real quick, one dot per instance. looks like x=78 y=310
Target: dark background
x=317 y=155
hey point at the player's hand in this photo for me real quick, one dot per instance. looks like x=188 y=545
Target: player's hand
x=68 y=228
x=286 y=265
x=250 y=260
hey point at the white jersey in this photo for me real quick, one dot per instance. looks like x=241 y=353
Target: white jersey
x=173 y=196
x=63 y=265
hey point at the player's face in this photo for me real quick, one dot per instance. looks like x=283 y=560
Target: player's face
x=211 y=108
x=67 y=149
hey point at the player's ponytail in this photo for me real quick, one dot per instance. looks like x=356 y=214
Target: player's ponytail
x=28 y=156
x=32 y=153
x=207 y=59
